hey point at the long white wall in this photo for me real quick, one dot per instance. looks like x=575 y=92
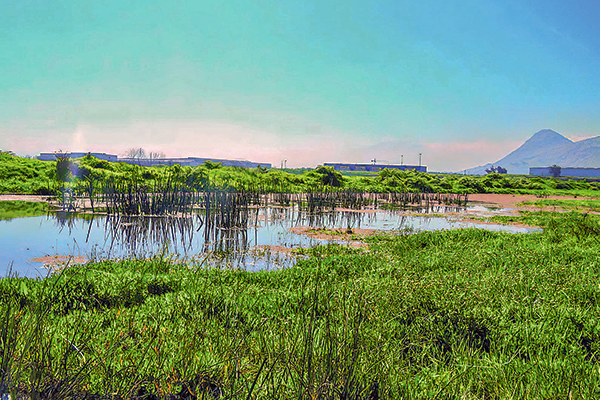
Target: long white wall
x=567 y=171
x=189 y=161
x=99 y=156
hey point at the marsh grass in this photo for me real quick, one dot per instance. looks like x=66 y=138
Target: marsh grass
x=567 y=204
x=450 y=314
x=132 y=197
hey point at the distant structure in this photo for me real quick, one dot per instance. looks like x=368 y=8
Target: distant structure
x=374 y=167
x=146 y=162
x=192 y=162
x=556 y=171
x=69 y=154
x=496 y=170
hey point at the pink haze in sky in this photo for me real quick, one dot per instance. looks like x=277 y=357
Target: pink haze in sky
x=221 y=139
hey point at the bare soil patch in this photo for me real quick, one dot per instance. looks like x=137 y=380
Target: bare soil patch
x=352 y=237
x=274 y=249
x=23 y=197
x=332 y=233
x=59 y=260
x=362 y=210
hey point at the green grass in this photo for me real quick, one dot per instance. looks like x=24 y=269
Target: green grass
x=567 y=204
x=467 y=314
x=543 y=219
x=23 y=175
x=359 y=173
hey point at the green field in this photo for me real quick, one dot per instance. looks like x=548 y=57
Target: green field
x=467 y=314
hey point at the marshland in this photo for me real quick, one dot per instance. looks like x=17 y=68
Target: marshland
x=194 y=284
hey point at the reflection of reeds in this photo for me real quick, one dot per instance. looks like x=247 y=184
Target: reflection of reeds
x=219 y=220
x=142 y=237
x=210 y=232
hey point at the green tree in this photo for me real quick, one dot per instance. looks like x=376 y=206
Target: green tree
x=64 y=167
x=329 y=176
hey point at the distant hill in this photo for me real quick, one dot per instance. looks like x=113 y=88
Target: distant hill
x=546 y=148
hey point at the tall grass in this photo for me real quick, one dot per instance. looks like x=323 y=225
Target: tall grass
x=450 y=314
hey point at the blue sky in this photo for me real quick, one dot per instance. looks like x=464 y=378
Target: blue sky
x=462 y=82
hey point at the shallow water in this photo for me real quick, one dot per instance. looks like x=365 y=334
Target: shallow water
x=24 y=240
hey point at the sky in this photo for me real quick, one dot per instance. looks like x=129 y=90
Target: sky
x=462 y=82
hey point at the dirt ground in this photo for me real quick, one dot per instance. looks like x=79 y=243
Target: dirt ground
x=351 y=237
x=23 y=197
x=273 y=248
x=81 y=203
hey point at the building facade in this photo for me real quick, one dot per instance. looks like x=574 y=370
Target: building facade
x=192 y=162
x=99 y=156
x=373 y=167
x=145 y=162
x=567 y=171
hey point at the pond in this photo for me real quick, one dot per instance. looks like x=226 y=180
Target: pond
x=34 y=244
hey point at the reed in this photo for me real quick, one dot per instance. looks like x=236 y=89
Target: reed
x=171 y=195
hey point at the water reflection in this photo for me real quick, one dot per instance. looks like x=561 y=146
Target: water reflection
x=259 y=239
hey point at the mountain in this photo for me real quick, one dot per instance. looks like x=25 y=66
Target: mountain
x=546 y=148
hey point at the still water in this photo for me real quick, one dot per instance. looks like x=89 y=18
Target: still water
x=25 y=243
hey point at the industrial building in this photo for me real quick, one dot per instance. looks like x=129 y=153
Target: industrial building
x=146 y=162
x=567 y=171
x=99 y=156
x=374 y=167
x=192 y=162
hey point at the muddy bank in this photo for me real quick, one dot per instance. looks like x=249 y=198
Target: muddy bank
x=351 y=237
x=24 y=197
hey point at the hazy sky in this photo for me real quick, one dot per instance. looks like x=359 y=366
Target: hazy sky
x=463 y=82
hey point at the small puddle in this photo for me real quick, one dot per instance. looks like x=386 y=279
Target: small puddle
x=32 y=245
